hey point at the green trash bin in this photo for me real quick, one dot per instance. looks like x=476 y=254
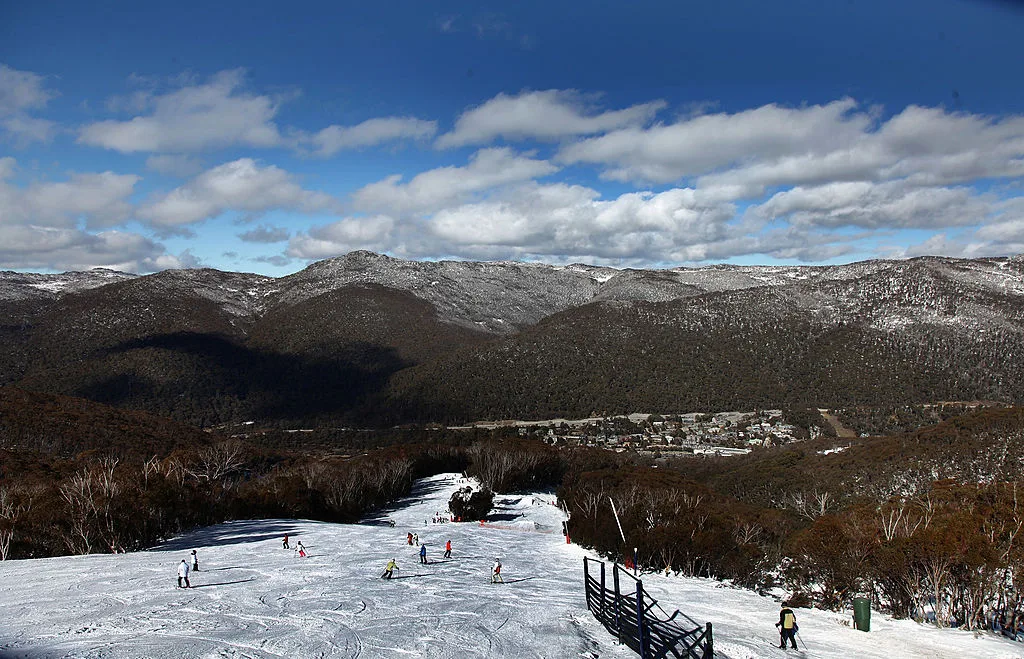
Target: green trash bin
x=862 y=613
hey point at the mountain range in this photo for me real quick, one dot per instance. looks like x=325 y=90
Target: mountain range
x=372 y=340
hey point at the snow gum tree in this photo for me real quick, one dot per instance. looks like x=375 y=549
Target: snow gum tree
x=469 y=505
x=12 y=506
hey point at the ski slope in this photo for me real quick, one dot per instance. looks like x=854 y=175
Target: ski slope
x=252 y=598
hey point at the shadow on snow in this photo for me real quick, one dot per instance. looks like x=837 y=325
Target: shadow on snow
x=223 y=583
x=231 y=533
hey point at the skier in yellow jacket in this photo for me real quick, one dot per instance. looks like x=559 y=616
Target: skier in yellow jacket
x=787 y=627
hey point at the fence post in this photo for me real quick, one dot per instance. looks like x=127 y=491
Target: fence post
x=709 y=648
x=586 y=580
x=640 y=619
x=618 y=603
x=603 y=597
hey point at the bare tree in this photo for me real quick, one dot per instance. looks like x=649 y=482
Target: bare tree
x=811 y=505
x=11 y=508
x=217 y=461
x=747 y=533
x=312 y=474
x=79 y=493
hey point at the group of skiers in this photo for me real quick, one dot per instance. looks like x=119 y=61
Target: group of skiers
x=298 y=547
x=412 y=538
x=184 y=569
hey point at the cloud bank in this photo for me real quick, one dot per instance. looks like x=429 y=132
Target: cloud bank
x=554 y=175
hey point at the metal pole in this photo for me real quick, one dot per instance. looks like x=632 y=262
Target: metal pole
x=617 y=522
x=603 y=595
x=636 y=566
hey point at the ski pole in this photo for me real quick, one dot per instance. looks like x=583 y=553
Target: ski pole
x=801 y=640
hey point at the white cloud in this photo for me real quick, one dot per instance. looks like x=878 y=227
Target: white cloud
x=345 y=235
x=24 y=129
x=98 y=200
x=194 y=118
x=265 y=234
x=45 y=225
x=447 y=24
x=945 y=245
x=770 y=146
x=277 y=260
x=240 y=185
x=697 y=145
x=553 y=222
x=571 y=222
x=371 y=132
x=892 y=205
x=438 y=188
x=49 y=248
x=174 y=165
x=20 y=92
x=545 y=115
x=1008 y=225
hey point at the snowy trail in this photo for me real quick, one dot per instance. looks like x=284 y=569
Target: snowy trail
x=254 y=599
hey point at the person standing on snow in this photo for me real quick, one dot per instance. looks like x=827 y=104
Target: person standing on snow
x=302 y=550
x=416 y=538
x=448 y=549
x=787 y=627
x=390 y=569
x=409 y=538
x=496 y=572
x=423 y=553
x=286 y=541
x=183 y=574
x=195 y=561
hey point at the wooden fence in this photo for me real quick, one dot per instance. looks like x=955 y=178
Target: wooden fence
x=628 y=612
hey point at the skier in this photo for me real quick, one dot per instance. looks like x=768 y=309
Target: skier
x=390 y=569
x=787 y=627
x=448 y=549
x=423 y=553
x=409 y=539
x=302 y=550
x=286 y=541
x=183 y=574
x=496 y=572
x=195 y=561
x=416 y=539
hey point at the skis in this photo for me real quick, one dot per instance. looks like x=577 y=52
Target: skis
x=788 y=650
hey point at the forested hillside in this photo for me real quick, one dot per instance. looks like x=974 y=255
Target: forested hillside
x=367 y=340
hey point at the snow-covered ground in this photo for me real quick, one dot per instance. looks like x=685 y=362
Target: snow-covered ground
x=252 y=598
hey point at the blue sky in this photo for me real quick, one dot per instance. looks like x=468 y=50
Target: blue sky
x=260 y=136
